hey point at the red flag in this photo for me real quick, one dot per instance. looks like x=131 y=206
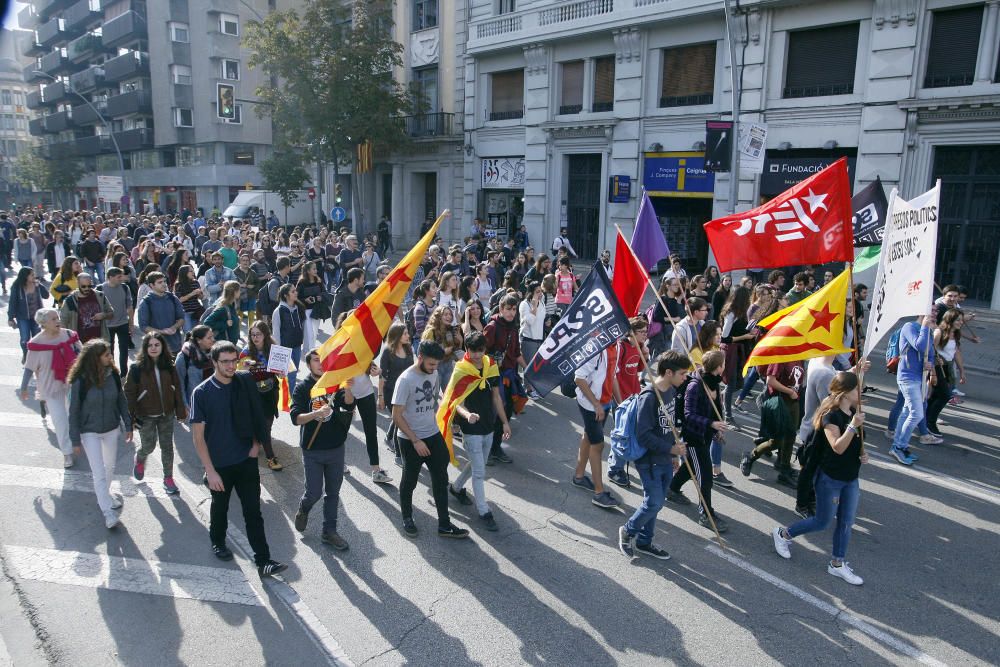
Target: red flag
x=810 y=223
x=629 y=280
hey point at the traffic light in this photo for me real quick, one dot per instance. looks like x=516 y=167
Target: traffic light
x=226 y=101
x=338 y=194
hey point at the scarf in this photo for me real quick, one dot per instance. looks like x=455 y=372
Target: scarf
x=63 y=354
x=465 y=379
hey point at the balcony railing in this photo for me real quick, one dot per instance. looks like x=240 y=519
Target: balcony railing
x=51 y=31
x=27 y=18
x=131 y=140
x=54 y=63
x=30 y=72
x=135 y=101
x=33 y=100
x=84 y=115
x=36 y=127
x=82 y=15
x=123 y=28
x=599 y=107
x=59 y=121
x=437 y=124
x=83 y=48
x=53 y=93
x=87 y=80
x=31 y=46
x=570 y=109
x=505 y=115
x=125 y=66
x=685 y=100
x=42 y=7
x=572 y=11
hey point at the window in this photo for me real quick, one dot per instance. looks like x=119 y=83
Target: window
x=180 y=74
x=8 y=121
x=229 y=24
x=954 y=46
x=183 y=118
x=5 y=97
x=239 y=154
x=425 y=14
x=19 y=98
x=231 y=70
x=506 y=6
x=507 y=95
x=425 y=86
x=821 y=61
x=688 y=75
x=604 y=84
x=571 y=88
x=237 y=118
x=179 y=32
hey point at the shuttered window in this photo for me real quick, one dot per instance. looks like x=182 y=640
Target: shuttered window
x=688 y=75
x=571 y=98
x=954 y=45
x=507 y=95
x=821 y=61
x=604 y=84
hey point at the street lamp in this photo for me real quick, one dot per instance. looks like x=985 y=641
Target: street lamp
x=104 y=121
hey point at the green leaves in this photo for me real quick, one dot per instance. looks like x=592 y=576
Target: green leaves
x=283 y=173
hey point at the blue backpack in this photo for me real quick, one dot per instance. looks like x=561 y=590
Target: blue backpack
x=624 y=441
x=892 y=352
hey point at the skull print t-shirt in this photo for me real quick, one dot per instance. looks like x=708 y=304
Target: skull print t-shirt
x=418 y=392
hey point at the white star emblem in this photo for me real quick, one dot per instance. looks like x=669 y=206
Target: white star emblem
x=815 y=201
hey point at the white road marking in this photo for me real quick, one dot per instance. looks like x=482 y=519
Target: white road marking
x=10 y=380
x=839 y=614
x=10 y=352
x=133 y=575
x=58 y=479
x=21 y=420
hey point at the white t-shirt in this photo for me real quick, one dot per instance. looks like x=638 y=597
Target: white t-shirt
x=362 y=387
x=594 y=372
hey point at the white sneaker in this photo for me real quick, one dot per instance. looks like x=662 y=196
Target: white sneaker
x=957 y=392
x=780 y=543
x=846 y=573
x=117 y=501
x=931 y=439
x=889 y=435
x=67 y=461
x=111 y=519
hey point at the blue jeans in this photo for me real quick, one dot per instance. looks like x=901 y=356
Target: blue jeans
x=190 y=321
x=748 y=383
x=911 y=414
x=97 y=271
x=894 y=416
x=655 y=481
x=27 y=328
x=477 y=447
x=715 y=451
x=833 y=498
x=324 y=472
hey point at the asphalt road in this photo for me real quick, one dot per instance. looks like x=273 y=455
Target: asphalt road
x=549 y=588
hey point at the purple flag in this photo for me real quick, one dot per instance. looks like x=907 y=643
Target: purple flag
x=648 y=242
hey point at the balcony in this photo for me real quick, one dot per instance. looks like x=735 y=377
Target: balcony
x=59 y=121
x=36 y=127
x=133 y=140
x=123 y=29
x=53 y=93
x=27 y=18
x=30 y=72
x=58 y=150
x=83 y=15
x=32 y=47
x=51 y=32
x=125 y=66
x=429 y=125
x=87 y=80
x=85 y=47
x=90 y=146
x=55 y=62
x=132 y=102
x=84 y=115
x=42 y=7
x=33 y=100
x=505 y=115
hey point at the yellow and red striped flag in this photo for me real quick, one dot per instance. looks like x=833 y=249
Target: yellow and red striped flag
x=465 y=379
x=365 y=157
x=813 y=327
x=352 y=348
x=284 y=395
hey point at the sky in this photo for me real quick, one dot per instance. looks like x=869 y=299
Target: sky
x=10 y=18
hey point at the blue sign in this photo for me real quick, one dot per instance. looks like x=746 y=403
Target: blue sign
x=619 y=189
x=338 y=214
x=677 y=174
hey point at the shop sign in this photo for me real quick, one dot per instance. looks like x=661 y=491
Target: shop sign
x=677 y=174
x=781 y=173
x=619 y=189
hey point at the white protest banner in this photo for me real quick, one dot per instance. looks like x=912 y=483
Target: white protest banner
x=279 y=360
x=904 y=286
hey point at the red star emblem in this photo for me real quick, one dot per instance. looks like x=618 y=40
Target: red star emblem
x=822 y=318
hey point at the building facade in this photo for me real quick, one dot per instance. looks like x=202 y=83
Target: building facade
x=14 y=116
x=150 y=70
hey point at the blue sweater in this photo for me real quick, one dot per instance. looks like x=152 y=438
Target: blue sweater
x=914 y=342
x=160 y=312
x=652 y=428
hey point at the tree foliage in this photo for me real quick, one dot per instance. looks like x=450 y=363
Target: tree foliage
x=283 y=173
x=57 y=173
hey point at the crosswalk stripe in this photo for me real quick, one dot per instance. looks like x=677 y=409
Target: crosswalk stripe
x=21 y=420
x=10 y=380
x=133 y=575
x=57 y=479
x=10 y=352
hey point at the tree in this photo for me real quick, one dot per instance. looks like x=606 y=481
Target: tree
x=59 y=173
x=283 y=173
x=331 y=71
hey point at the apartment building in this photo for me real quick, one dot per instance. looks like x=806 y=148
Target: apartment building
x=14 y=117
x=147 y=72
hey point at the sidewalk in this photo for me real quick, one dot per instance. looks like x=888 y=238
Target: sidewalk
x=983 y=357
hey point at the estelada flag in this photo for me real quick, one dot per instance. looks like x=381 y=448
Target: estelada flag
x=465 y=379
x=351 y=349
x=284 y=395
x=813 y=327
x=810 y=223
x=629 y=280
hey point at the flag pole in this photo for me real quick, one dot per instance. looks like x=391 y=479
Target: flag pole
x=857 y=346
x=677 y=438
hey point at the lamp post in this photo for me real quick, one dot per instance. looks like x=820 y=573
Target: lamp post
x=104 y=121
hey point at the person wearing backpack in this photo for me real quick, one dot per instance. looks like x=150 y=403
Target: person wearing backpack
x=654 y=418
x=916 y=359
x=629 y=371
x=267 y=297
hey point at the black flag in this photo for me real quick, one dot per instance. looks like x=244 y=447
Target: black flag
x=594 y=321
x=870 y=207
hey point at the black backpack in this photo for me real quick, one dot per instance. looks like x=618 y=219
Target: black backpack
x=264 y=304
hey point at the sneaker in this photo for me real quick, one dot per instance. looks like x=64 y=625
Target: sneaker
x=678 y=498
x=274 y=464
x=605 y=500
x=889 y=434
x=534 y=395
x=111 y=519
x=620 y=477
x=583 y=483
x=957 y=392
x=720 y=523
x=117 y=501
x=845 y=572
x=461 y=495
x=68 y=461
x=271 y=568
x=626 y=542
x=732 y=423
x=789 y=478
x=746 y=463
x=139 y=468
x=453 y=532
x=955 y=400
x=398 y=461
x=738 y=406
x=652 y=550
x=780 y=543
x=910 y=454
x=301 y=521
x=805 y=511
x=722 y=480
x=170 y=486
x=502 y=457
x=868 y=389
x=347 y=471
x=901 y=456
x=335 y=541
x=489 y=522
x=380 y=477
x=931 y=439
x=410 y=528
x=221 y=552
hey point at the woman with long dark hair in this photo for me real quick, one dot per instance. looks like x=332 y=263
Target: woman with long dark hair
x=224 y=319
x=26 y=297
x=181 y=257
x=188 y=291
x=947 y=341
x=97 y=410
x=310 y=289
x=193 y=362
x=397 y=356
x=840 y=456
x=720 y=295
x=155 y=399
x=737 y=342
x=253 y=359
x=64 y=282
x=288 y=330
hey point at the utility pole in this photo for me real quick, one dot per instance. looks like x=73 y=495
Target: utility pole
x=734 y=174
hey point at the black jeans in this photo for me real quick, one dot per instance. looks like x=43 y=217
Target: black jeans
x=369 y=421
x=805 y=492
x=508 y=408
x=700 y=457
x=245 y=479
x=437 y=465
x=940 y=395
x=120 y=333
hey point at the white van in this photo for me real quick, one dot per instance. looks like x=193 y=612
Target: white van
x=258 y=202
